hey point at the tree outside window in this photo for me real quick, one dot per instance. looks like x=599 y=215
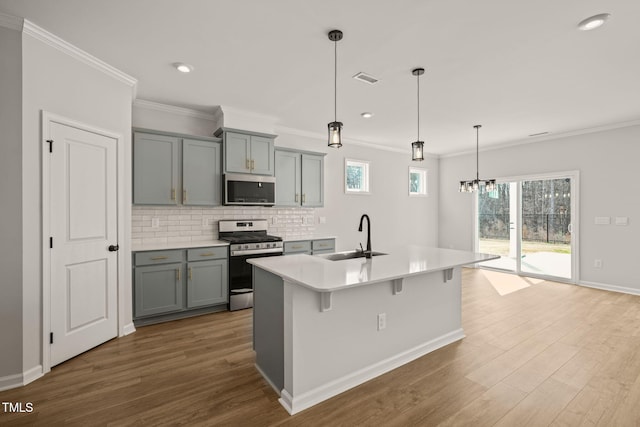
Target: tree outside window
x=417 y=181
x=356 y=176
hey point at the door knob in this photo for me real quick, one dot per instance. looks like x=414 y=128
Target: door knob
x=113 y=248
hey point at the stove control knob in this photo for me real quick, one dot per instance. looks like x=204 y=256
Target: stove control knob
x=257 y=245
x=246 y=246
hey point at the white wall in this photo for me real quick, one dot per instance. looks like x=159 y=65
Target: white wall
x=395 y=217
x=11 y=207
x=56 y=82
x=607 y=162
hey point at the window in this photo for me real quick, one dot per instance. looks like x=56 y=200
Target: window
x=417 y=181
x=356 y=176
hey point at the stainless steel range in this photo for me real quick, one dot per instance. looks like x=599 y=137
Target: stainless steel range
x=248 y=239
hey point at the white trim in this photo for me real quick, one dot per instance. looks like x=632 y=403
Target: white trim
x=322 y=137
x=11 y=22
x=610 y=288
x=46 y=119
x=127 y=329
x=295 y=404
x=22 y=379
x=179 y=111
x=54 y=41
x=424 y=172
x=549 y=137
x=367 y=177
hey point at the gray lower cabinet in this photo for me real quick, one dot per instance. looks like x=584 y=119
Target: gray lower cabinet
x=299 y=178
x=310 y=247
x=172 y=169
x=180 y=282
x=158 y=289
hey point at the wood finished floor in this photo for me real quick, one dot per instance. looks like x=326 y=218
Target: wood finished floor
x=546 y=354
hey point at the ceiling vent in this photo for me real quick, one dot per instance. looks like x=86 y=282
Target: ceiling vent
x=364 y=77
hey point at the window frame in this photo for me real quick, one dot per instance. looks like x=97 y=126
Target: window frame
x=366 y=179
x=424 y=174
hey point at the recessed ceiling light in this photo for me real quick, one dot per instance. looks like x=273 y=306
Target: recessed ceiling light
x=593 y=22
x=366 y=115
x=182 y=67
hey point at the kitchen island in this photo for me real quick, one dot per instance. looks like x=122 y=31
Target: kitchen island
x=322 y=327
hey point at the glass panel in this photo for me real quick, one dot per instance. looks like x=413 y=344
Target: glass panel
x=357 y=176
x=496 y=226
x=546 y=225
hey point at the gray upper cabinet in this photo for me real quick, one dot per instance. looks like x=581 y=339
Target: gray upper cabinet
x=155 y=169
x=299 y=178
x=247 y=152
x=169 y=169
x=288 y=182
x=201 y=177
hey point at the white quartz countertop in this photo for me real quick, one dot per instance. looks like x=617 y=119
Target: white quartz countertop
x=177 y=245
x=307 y=237
x=323 y=275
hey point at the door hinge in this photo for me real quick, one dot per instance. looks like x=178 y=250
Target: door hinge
x=50 y=242
x=50 y=141
x=50 y=337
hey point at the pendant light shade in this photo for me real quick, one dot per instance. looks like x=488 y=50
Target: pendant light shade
x=335 y=127
x=477 y=184
x=417 y=147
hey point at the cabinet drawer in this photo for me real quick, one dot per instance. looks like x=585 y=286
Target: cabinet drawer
x=157 y=257
x=202 y=254
x=297 y=247
x=324 y=245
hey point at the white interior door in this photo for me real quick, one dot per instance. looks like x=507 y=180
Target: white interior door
x=83 y=226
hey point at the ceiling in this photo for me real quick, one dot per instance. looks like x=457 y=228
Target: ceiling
x=516 y=67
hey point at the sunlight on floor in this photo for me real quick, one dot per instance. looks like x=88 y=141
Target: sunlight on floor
x=505 y=283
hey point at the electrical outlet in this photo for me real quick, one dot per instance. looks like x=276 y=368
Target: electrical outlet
x=155 y=222
x=597 y=263
x=382 y=321
x=274 y=220
x=322 y=219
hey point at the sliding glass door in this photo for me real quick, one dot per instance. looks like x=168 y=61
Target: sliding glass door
x=529 y=222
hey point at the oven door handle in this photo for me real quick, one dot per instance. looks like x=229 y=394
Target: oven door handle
x=256 y=251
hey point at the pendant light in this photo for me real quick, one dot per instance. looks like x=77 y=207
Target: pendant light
x=335 y=127
x=417 y=147
x=477 y=184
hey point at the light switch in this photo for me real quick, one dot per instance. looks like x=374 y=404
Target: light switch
x=603 y=220
x=622 y=220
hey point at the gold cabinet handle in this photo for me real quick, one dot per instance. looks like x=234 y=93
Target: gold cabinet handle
x=158 y=258
x=247 y=164
x=208 y=254
x=173 y=194
x=253 y=164
x=296 y=247
x=177 y=274
x=190 y=274
x=184 y=195
x=323 y=245
x=296 y=197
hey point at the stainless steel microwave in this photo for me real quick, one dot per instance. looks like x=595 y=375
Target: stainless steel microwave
x=252 y=190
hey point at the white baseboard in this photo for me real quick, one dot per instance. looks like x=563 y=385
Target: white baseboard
x=19 y=380
x=605 y=287
x=295 y=404
x=128 y=329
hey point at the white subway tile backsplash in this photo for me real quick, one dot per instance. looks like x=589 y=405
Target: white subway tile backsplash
x=184 y=224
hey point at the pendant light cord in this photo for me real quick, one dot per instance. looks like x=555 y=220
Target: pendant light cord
x=335 y=81
x=477 y=153
x=418 y=107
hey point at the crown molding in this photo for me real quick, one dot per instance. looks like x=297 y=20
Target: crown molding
x=11 y=22
x=552 y=136
x=56 y=42
x=367 y=144
x=180 y=111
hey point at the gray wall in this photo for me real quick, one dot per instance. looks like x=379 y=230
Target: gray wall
x=11 y=207
x=607 y=162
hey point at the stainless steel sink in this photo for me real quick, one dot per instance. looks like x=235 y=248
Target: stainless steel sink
x=339 y=256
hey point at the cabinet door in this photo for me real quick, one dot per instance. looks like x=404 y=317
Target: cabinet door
x=312 y=180
x=297 y=247
x=207 y=283
x=287 y=178
x=155 y=169
x=262 y=153
x=158 y=289
x=201 y=179
x=237 y=152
